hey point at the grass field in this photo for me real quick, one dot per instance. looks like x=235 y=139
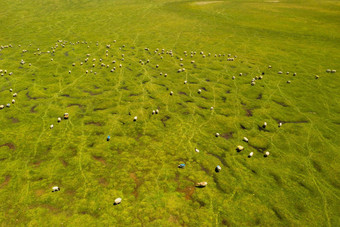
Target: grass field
x=296 y=185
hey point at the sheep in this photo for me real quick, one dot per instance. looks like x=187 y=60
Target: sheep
x=161 y=57
x=165 y=75
x=294 y=74
x=280 y=72
x=197 y=150
x=203 y=56
x=2 y=106
x=280 y=124
x=69 y=72
x=250 y=154
x=10 y=73
x=160 y=73
x=55 y=189
x=153 y=112
x=113 y=61
x=66 y=116
x=117 y=201
x=94 y=65
x=15 y=95
x=13 y=101
x=171 y=92
x=260 y=77
x=157 y=66
x=120 y=66
x=181 y=59
x=185 y=82
x=135 y=118
x=201 y=184
x=269 y=66
x=217 y=134
x=181 y=165
x=240 y=74
x=264 y=125
x=252 y=83
x=239 y=148
x=201 y=52
x=211 y=108
x=328 y=71
x=316 y=77
x=333 y=71
x=51 y=59
x=148 y=61
x=51 y=126
x=73 y=64
x=179 y=70
x=233 y=77
x=10 y=89
x=108 y=138
x=81 y=63
x=266 y=154
x=59 y=119
x=288 y=81
x=181 y=64
x=183 y=69
x=199 y=91
x=184 y=52
x=245 y=139
x=93 y=59
x=287 y=73
x=218 y=169
x=192 y=62
x=8 y=105
x=122 y=59
x=95 y=73
x=86 y=71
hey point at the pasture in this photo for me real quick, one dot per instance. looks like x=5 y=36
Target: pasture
x=104 y=62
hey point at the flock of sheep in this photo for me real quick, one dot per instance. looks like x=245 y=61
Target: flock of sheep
x=161 y=54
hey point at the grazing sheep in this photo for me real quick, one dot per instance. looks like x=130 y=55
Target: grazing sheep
x=264 y=125
x=153 y=112
x=108 y=138
x=65 y=115
x=86 y=71
x=280 y=124
x=192 y=62
x=250 y=154
x=287 y=73
x=117 y=201
x=160 y=73
x=10 y=73
x=294 y=74
x=147 y=61
x=203 y=56
x=181 y=165
x=240 y=74
x=8 y=105
x=135 y=118
x=73 y=64
x=69 y=71
x=333 y=71
x=328 y=70
x=260 y=77
x=10 y=89
x=59 y=119
x=199 y=91
x=201 y=184
x=197 y=150
x=181 y=59
x=185 y=82
x=93 y=65
x=218 y=169
x=120 y=65
x=239 y=148
x=113 y=61
x=266 y=154
x=316 y=77
x=269 y=66
x=183 y=69
x=211 y=108
x=233 y=77
x=13 y=101
x=252 y=83
x=165 y=75
x=2 y=106
x=161 y=57
x=51 y=59
x=15 y=95
x=245 y=139
x=55 y=189
x=51 y=126
x=179 y=70
x=171 y=92
x=157 y=111
x=181 y=64
x=288 y=81
x=157 y=66
x=217 y=134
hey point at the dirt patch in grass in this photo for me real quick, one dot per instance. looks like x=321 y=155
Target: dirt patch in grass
x=14 y=120
x=96 y=109
x=205 y=169
x=203 y=97
x=182 y=93
x=65 y=95
x=202 y=107
x=227 y=135
x=91 y=93
x=133 y=94
x=164 y=119
x=9 y=145
x=39 y=192
x=103 y=181
x=259 y=149
x=34 y=98
x=249 y=112
x=260 y=96
x=219 y=158
x=281 y=103
x=99 y=159
x=242 y=126
x=75 y=104
x=33 y=109
x=63 y=162
x=94 y=123
x=6 y=181
x=137 y=182
x=188 y=191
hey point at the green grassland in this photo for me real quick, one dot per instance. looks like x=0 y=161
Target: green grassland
x=297 y=185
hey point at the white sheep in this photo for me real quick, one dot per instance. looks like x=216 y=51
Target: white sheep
x=157 y=111
x=135 y=118
x=199 y=91
x=316 y=77
x=245 y=139
x=171 y=92
x=59 y=119
x=217 y=134
x=51 y=126
x=280 y=72
x=280 y=124
x=266 y=154
x=69 y=71
x=264 y=125
x=55 y=189
x=233 y=77
x=2 y=106
x=153 y=112
x=117 y=201
x=250 y=154
x=10 y=89
x=197 y=150
x=13 y=101
x=240 y=74
x=15 y=95
x=185 y=82
x=294 y=74
x=211 y=108
x=333 y=71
